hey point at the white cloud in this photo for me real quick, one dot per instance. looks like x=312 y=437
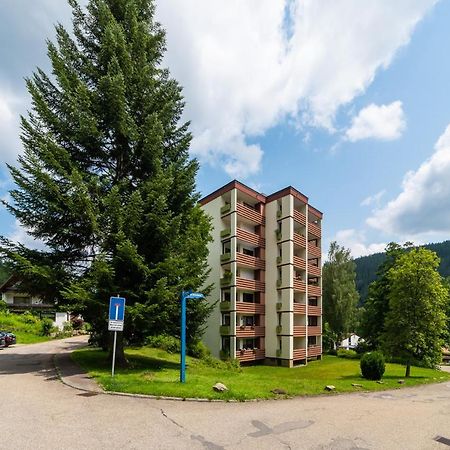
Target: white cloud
x=374 y=199
x=384 y=122
x=243 y=73
x=20 y=235
x=423 y=206
x=356 y=241
x=9 y=127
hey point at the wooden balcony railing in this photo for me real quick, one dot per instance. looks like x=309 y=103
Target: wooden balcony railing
x=314 y=251
x=250 y=261
x=299 y=353
x=250 y=355
x=299 y=285
x=250 y=237
x=314 y=331
x=314 y=290
x=299 y=308
x=250 y=214
x=252 y=285
x=314 y=350
x=299 y=330
x=250 y=308
x=299 y=263
x=249 y=332
x=314 y=230
x=299 y=240
x=314 y=310
x=314 y=270
x=299 y=217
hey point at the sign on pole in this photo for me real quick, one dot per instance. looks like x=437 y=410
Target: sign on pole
x=115 y=322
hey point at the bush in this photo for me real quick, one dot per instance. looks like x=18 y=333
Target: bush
x=165 y=342
x=348 y=354
x=372 y=366
x=77 y=323
x=363 y=347
x=3 y=306
x=46 y=327
x=198 y=350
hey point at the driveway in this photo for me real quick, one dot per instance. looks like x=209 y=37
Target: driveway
x=40 y=412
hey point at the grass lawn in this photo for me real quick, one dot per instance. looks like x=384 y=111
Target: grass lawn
x=153 y=371
x=24 y=337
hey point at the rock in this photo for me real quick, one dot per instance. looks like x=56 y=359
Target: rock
x=401 y=381
x=330 y=387
x=220 y=387
x=357 y=385
x=278 y=391
x=380 y=382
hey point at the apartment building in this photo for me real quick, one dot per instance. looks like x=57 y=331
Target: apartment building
x=265 y=261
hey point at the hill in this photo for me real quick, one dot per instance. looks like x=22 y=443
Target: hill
x=367 y=266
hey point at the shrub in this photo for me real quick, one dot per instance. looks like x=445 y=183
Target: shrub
x=198 y=350
x=77 y=323
x=362 y=347
x=372 y=366
x=348 y=354
x=29 y=319
x=165 y=342
x=46 y=327
x=3 y=306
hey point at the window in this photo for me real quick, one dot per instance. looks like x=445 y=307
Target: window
x=312 y=340
x=225 y=319
x=248 y=297
x=226 y=247
x=249 y=321
x=312 y=301
x=22 y=300
x=312 y=321
x=226 y=296
x=226 y=344
x=248 y=251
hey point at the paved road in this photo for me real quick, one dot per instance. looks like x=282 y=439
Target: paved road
x=39 y=412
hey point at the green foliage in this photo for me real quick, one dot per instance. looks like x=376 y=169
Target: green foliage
x=372 y=365
x=339 y=293
x=5 y=272
x=26 y=327
x=416 y=320
x=198 y=350
x=164 y=342
x=46 y=327
x=105 y=178
x=349 y=354
x=362 y=347
x=329 y=339
x=3 y=306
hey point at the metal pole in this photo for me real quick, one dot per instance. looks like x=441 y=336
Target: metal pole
x=114 y=353
x=183 y=338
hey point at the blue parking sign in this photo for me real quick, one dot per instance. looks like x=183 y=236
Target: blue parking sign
x=117 y=308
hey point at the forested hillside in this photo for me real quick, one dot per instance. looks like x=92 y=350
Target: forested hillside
x=367 y=266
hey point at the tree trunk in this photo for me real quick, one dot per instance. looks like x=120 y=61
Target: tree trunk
x=408 y=369
x=121 y=361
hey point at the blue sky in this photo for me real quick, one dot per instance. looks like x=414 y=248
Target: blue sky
x=347 y=102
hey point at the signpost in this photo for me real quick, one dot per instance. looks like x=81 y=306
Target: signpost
x=185 y=295
x=115 y=322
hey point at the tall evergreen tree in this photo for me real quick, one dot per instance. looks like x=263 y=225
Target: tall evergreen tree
x=339 y=291
x=105 y=179
x=418 y=299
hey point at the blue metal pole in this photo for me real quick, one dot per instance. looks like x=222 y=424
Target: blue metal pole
x=183 y=338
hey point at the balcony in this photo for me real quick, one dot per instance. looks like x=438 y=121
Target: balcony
x=314 y=251
x=299 y=263
x=225 y=306
x=251 y=238
x=250 y=261
x=314 y=290
x=225 y=329
x=250 y=308
x=314 y=230
x=314 y=310
x=250 y=355
x=299 y=330
x=299 y=308
x=299 y=240
x=225 y=233
x=314 y=270
x=226 y=279
x=299 y=285
x=314 y=331
x=252 y=285
x=225 y=209
x=250 y=214
x=249 y=331
x=314 y=350
x=299 y=217
x=299 y=353
x=225 y=257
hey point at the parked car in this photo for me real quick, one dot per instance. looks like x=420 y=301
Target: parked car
x=2 y=342
x=9 y=338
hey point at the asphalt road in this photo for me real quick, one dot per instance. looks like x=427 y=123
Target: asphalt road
x=40 y=412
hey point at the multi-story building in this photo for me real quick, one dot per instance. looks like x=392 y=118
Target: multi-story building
x=265 y=261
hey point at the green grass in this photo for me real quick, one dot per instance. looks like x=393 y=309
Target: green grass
x=27 y=328
x=155 y=372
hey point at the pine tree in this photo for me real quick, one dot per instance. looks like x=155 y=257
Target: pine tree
x=339 y=291
x=105 y=179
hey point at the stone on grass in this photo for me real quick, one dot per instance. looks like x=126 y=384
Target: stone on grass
x=380 y=382
x=357 y=385
x=278 y=391
x=220 y=387
x=330 y=387
x=401 y=381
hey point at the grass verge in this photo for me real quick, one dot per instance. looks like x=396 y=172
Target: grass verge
x=155 y=372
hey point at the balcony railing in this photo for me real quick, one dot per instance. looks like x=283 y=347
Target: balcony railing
x=314 y=230
x=225 y=209
x=314 y=330
x=314 y=270
x=252 y=285
x=314 y=350
x=299 y=285
x=250 y=308
x=250 y=214
x=299 y=308
x=225 y=329
x=225 y=233
x=299 y=263
x=314 y=251
x=250 y=355
x=314 y=310
x=249 y=331
x=299 y=330
x=299 y=353
x=299 y=217
x=299 y=240
x=251 y=238
x=250 y=261
x=225 y=257
x=314 y=290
